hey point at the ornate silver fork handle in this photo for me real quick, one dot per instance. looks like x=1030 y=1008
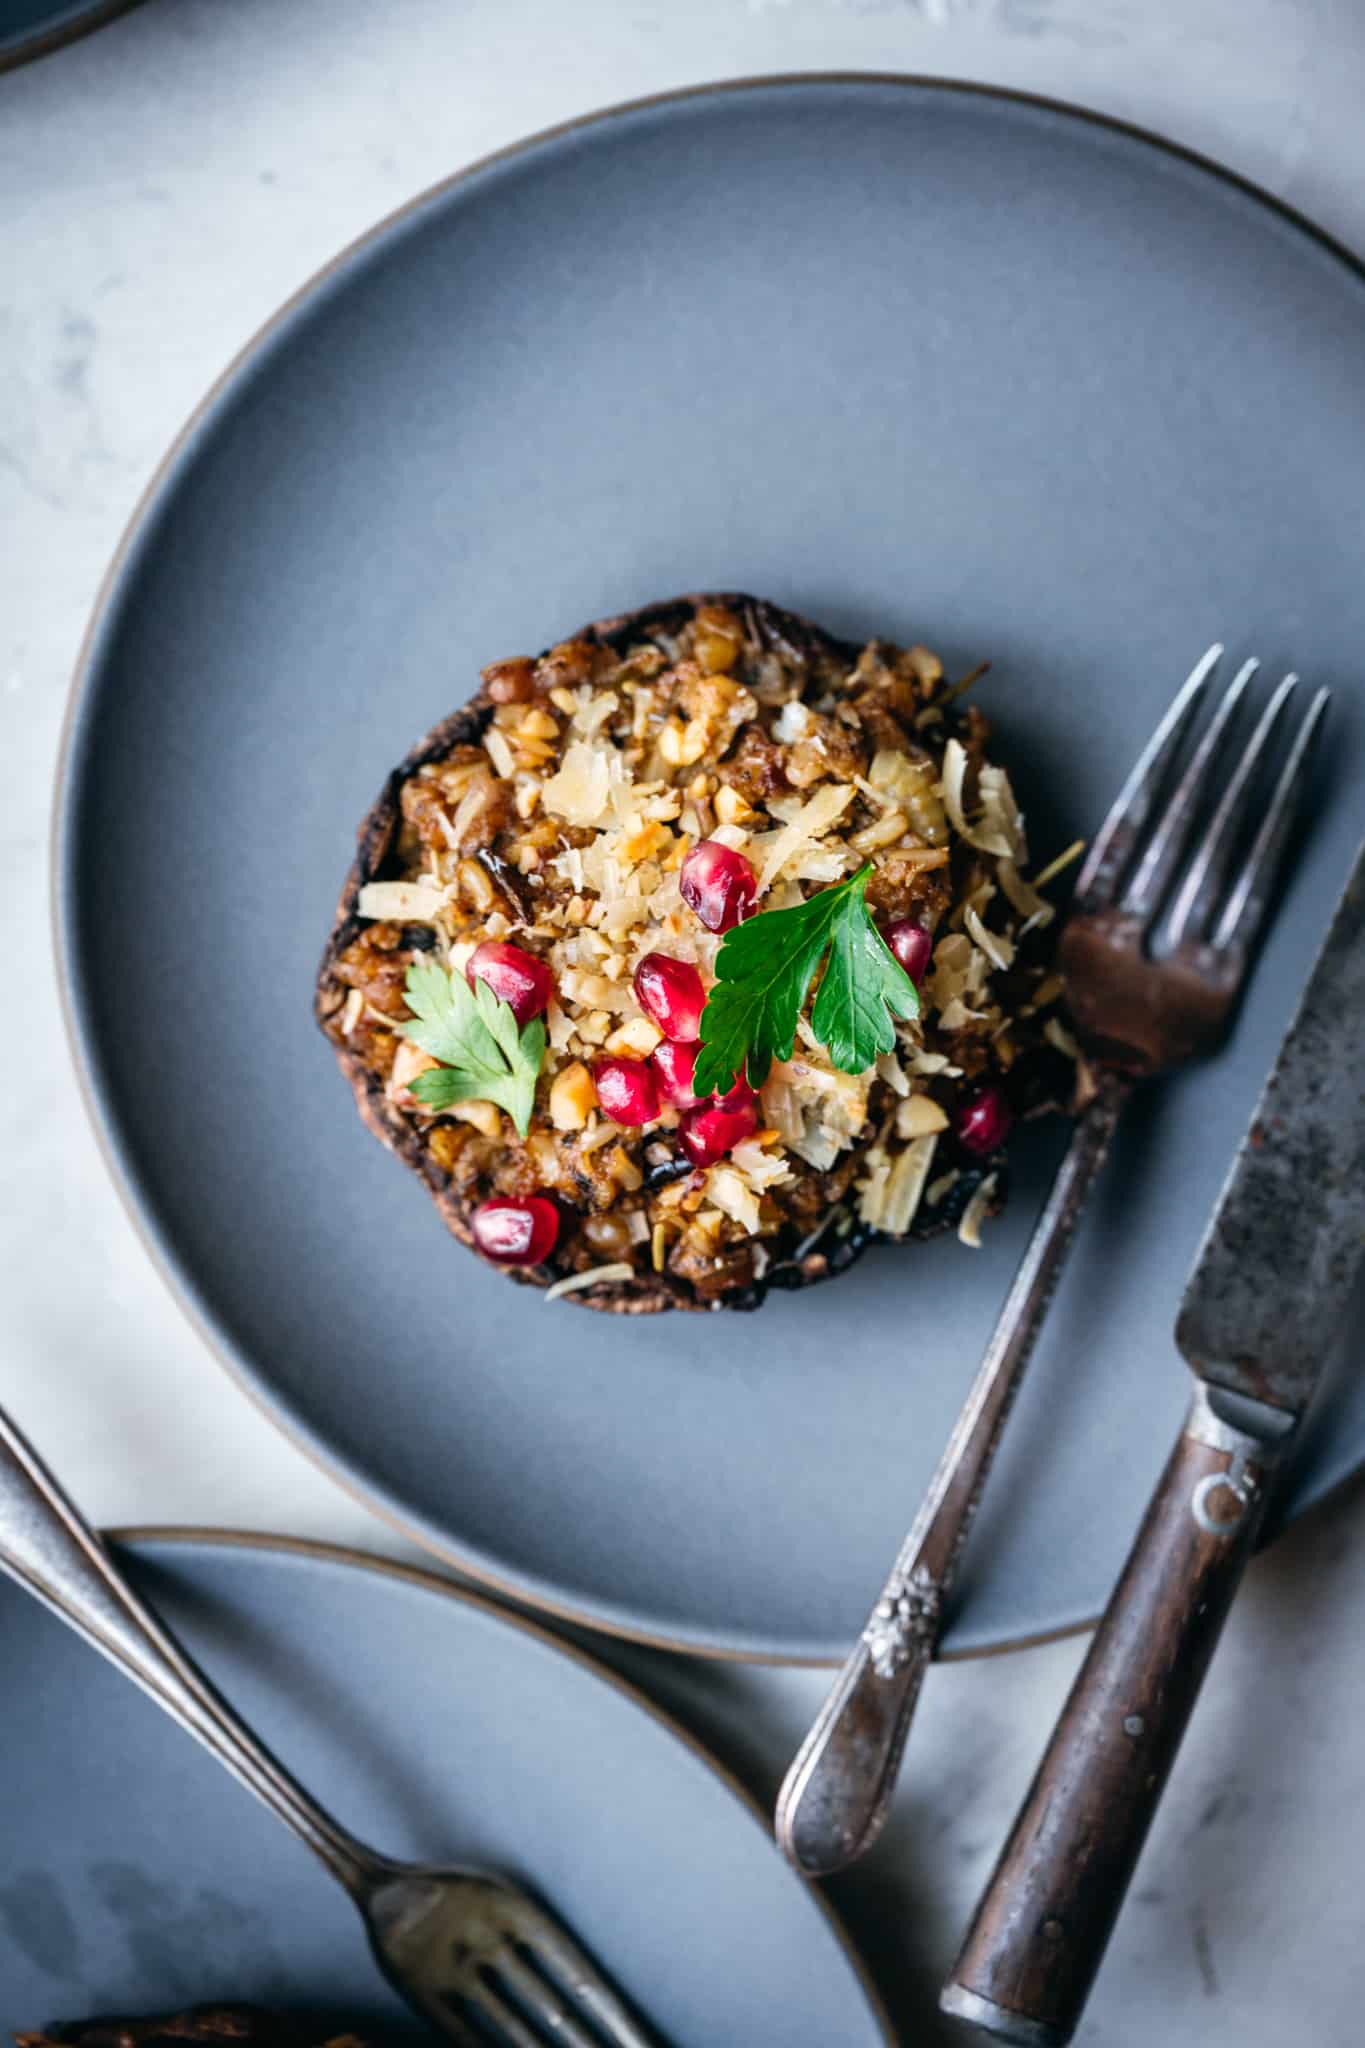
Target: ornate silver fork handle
x=834 y=1798
x=46 y=1544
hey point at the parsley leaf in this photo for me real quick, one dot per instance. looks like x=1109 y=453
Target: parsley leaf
x=764 y=970
x=864 y=988
x=484 y=1055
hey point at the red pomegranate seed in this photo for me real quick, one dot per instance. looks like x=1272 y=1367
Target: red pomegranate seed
x=516 y=1233
x=911 y=944
x=627 y=1090
x=515 y=977
x=718 y=884
x=673 y=1062
x=670 y=991
x=710 y=1130
x=983 y=1122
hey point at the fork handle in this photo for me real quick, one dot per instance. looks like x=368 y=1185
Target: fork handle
x=50 y=1549
x=834 y=1799
x=1042 y=1925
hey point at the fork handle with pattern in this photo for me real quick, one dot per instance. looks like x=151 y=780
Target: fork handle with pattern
x=834 y=1800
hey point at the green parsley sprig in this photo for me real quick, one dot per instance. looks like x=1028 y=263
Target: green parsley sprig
x=764 y=970
x=484 y=1054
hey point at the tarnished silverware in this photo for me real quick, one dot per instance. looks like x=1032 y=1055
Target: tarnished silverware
x=468 y=1951
x=1261 y=1319
x=1138 y=1012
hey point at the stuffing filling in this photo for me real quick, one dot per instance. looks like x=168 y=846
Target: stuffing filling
x=563 y=832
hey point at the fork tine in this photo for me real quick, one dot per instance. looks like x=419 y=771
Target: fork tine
x=1251 y=892
x=1117 y=836
x=1206 y=880
x=539 y=1996
x=557 y=1953
x=450 y=2023
x=1167 y=843
x=497 y=2011
x=1203 y=886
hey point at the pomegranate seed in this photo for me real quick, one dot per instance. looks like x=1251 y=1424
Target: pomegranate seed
x=983 y=1122
x=670 y=991
x=516 y=1233
x=673 y=1062
x=709 y=1131
x=911 y=944
x=718 y=884
x=515 y=977
x=628 y=1090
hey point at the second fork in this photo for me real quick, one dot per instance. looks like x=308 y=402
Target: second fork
x=1137 y=1015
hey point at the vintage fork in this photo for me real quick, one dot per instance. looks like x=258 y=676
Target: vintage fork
x=1137 y=1013
x=468 y=1951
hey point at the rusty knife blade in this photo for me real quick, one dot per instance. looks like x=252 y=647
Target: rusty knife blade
x=1263 y=1306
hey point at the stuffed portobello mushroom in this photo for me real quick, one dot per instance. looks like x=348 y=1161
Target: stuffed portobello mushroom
x=694 y=955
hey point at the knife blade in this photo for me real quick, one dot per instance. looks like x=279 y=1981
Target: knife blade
x=1271 y=1279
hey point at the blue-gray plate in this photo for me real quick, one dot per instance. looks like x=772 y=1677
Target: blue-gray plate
x=136 y=1875
x=913 y=358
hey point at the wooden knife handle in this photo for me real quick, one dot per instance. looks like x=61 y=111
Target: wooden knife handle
x=1041 y=1928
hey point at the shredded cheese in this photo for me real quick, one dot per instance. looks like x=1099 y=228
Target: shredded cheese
x=890 y=1070
x=581 y=790
x=999 y=829
x=731 y=1193
x=574 y=1282
x=920 y=1062
x=976 y=1212
x=994 y=945
x=919 y=1116
x=1001 y=822
x=813 y=818
x=592 y=710
x=1024 y=897
x=596 y=991
x=904 y=1186
x=761 y=1168
x=1056 y=867
x=405 y=902
x=1056 y=1033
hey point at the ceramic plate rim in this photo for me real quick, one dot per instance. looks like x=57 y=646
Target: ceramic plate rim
x=194 y=1537
x=80 y=1026
x=25 y=46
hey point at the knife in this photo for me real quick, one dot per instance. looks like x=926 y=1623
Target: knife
x=1260 y=1320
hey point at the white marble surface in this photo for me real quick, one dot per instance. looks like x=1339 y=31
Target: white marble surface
x=163 y=186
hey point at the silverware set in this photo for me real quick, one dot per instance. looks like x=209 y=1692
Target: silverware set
x=1155 y=952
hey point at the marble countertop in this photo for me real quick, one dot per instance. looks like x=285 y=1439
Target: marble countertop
x=163 y=186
